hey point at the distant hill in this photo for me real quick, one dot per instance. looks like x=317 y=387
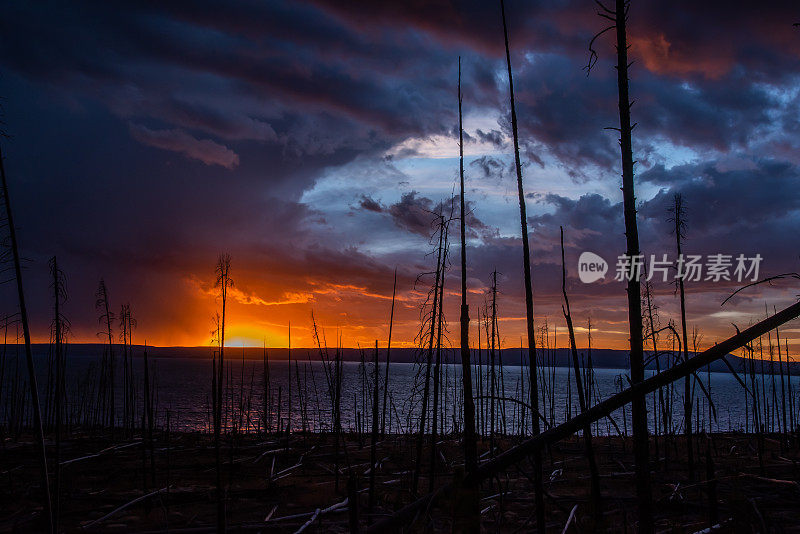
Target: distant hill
x=601 y=358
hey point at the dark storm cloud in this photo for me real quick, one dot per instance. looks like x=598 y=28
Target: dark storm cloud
x=324 y=73
x=370 y=204
x=494 y=137
x=205 y=150
x=419 y=215
x=730 y=212
x=414 y=213
x=489 y=167
x=203 y=116
x=565 y=111
x=142 y=67
x=591 y=213
x=746 y=210
x=756 y=194
x=719 y=114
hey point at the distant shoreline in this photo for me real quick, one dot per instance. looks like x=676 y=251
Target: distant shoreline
x=562 y=357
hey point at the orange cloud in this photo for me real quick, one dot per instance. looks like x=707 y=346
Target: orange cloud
x=661 y=56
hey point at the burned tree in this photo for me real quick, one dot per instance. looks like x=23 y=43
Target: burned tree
x=148 y=424
x=388 y=358
x=266 y=417
x=107 y=380
x=431 y=335
x=23 y=317
x=618 y=18
x=582 y=399
x=289 y=379
x=223 y=283
x=59 y=330
x=470 y=444
x=526 y=262
x=677 y=217
x=126 y=324
x=374 y=441
x=437 y=369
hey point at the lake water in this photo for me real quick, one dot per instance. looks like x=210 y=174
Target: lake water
x=182 y=386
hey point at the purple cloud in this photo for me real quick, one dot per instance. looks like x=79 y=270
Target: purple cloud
x=205 y=150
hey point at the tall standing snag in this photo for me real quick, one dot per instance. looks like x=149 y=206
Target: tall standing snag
x=587 y=430
x=107 y=317
x=59 y=334
x=437 y=369
x=430 y=340
x=289 y=380
x=147 y=419
x=267 y=419
x=388 y=357
x=492 y=375
x=23 y=315
x=639 y=405
x=470 y=445
x=619 y=17
x=374 y=442
x=223 y=282
x=677 y=217
x=471 y=518
x=526 y=260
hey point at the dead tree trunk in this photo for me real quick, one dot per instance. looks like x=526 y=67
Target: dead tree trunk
x=145 y=441
x=470 y=440
x=265 y=401
x=337 y=412
x=587 y=430
x=437 y=369
x=289 y=380
x=792 y=399
x=783 y=388
x=639 y=406
x=429 y=362
x=23 y=315
x=148 y=414
x=756 y=410
x=492 y=374
x=388 y=357
x=102 y=303
x=127 y=420
x=678 y=214
x=373 y=446
x=526 y=261
x=223 y=283
x=59 y=293
x=589 y=378
x=652 y=316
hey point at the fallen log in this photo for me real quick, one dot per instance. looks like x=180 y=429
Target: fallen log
x=715 y=528
x=596 y=412
x=99 y=453
x=318 y=513
x=124 y=506
x=570 y=519
x=789 y=484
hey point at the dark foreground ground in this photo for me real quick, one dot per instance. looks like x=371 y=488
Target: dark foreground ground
x=277 y=485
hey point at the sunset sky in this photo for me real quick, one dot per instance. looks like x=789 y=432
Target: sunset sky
x=311 y=140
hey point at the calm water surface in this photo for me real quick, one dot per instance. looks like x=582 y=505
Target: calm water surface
x=183 y=387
